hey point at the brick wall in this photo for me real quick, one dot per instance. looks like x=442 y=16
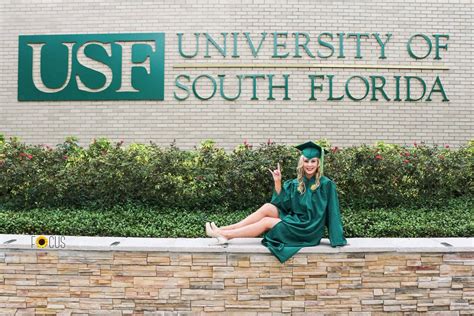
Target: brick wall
x=343 y=123
x=121 y=282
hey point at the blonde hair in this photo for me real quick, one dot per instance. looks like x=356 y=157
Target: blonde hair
x=301 y=174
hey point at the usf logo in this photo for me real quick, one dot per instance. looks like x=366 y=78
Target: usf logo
x=91 y=67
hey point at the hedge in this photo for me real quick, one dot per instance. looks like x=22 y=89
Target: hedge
x=454 y=218
x=105 y=174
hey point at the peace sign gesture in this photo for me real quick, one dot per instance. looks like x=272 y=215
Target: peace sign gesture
x=276 y=173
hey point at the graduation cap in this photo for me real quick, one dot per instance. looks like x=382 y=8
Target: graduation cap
x=311 y=150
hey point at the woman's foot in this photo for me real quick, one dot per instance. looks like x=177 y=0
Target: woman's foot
x=214 y=226
x=221 y=240
x=209 y=231
x=216 y=234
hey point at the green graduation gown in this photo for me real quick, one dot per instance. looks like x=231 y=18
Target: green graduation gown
x=304 y=217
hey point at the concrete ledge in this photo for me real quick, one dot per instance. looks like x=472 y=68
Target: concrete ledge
x=239 y=245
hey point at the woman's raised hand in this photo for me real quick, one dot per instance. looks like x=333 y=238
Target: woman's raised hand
x=276 y=173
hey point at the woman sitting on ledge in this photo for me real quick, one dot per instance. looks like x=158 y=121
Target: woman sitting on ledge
x=298 y=212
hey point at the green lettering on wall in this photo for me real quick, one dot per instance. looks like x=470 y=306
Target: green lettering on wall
x=271 y=86
x=182 y=87
x=213 y=83
x=331 y=97
x=358 y=37
x=438 y=45
x=428 y=42
x=180 y=46
x=366 y=84
x=276 y=45
x=440 y=89
x=221 y=88
x=325 y=44
x=254 y=84
x=221 y=49
x=379 y=88
x=382 y=44
x=408 y=80
x=252 y=46
x=341 y=45
x=304 y=45
x=315 y=87
x=397 y=88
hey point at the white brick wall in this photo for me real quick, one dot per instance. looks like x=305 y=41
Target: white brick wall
x=229 y=123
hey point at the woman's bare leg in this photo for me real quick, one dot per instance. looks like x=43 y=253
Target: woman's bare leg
x=251 y=230
x=267 y=210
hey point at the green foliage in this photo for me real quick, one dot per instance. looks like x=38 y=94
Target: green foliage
x=249 y=183
x=391 y=175
x=454 y=219
x=106 y=174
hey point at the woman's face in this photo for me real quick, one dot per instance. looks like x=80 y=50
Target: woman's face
x=310 y=166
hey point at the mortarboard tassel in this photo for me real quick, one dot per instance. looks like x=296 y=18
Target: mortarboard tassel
x=322 y=161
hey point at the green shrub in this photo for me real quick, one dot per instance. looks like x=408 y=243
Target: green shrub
x=29 y=174
x=249 y=183
x=389 y=175
x=453 y=219
x=106 y=174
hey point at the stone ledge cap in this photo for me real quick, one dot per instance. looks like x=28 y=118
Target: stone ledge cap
x=237 y=245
